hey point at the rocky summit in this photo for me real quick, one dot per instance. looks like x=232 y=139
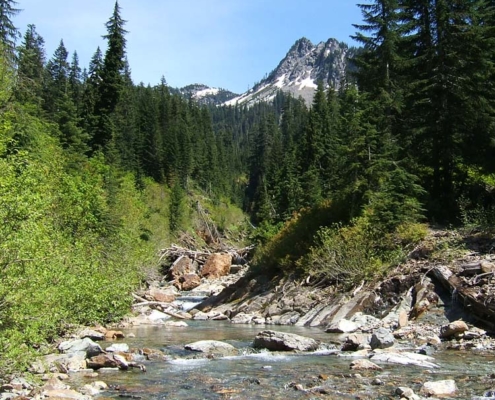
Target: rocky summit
x=298 y=73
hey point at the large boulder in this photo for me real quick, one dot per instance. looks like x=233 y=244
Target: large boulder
x=404 y=358
x=281 y=341
x=382 y=338
x=212 y=347
x=217 y=265
x=182 y=266
x=85 y=345
x=188 y=282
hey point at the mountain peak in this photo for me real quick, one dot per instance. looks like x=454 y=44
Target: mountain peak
x=299 y=71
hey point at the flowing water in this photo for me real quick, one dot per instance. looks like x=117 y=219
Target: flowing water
x=264 y=375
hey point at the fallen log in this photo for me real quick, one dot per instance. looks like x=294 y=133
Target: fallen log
x=470 y=298
x=470 y=269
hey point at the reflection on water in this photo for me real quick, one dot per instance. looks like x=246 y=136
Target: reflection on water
x=265 y=375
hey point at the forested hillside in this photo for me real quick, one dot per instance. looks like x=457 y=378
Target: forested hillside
x=97 y=172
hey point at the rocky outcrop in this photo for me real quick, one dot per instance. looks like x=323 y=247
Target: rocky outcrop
x=281 y=341
x=298 y=73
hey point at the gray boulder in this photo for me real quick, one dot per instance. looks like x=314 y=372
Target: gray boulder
x=212 y=347
x=281 y=341
x=85 y=345
x=382 y=338
x=405 y=358
x=242 y=318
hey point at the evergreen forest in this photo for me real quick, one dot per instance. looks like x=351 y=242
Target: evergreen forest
x=97 y=172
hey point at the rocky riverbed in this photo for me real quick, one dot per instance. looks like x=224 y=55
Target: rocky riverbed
x=424 y=331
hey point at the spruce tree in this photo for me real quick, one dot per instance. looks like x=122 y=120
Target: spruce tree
x=112 y=81
x=30 y=67
x=8 y=32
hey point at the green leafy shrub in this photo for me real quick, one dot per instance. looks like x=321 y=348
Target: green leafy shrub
x=293 y=241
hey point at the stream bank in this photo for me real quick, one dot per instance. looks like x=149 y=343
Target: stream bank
x=401 y=337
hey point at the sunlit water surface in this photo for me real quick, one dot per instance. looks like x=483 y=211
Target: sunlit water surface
x=265 y=375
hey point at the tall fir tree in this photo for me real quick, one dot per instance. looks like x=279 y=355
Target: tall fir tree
x=112 y=80
x=30 y=68
x=8 y=32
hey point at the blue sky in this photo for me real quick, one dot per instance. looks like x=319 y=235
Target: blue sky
x=221 y=43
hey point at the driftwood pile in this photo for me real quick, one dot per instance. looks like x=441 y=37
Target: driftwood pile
x=175 y=252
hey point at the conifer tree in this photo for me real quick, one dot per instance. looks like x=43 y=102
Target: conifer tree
x=112 y=81
x=90 y=95
x=8 y=32
x=31 y=62
x=75 y=82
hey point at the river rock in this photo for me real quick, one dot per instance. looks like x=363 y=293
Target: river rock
x=452 y=329
x=156 y=294
x=289 y=318
x=281 y=341
x=156 y=315
x=342 y=326
x=242 y=318
x=92 y=334
x=218 y=317
x=182 y=266
x=212 y=347
x=446 y=388
x=54 y=384
x=405 y=358
x=85 y=345
x=177 y=324
x=200 y=316
x=102 y=361
x=63 y=394
x=382 y=338
x=356 y=341
x=365 y=322
x=94 y=388
x=217 y=265
x=187 y=282
x=364 y=364
x=406 y=393
x=116 y=347
x=114 y=334
x=61 y=363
